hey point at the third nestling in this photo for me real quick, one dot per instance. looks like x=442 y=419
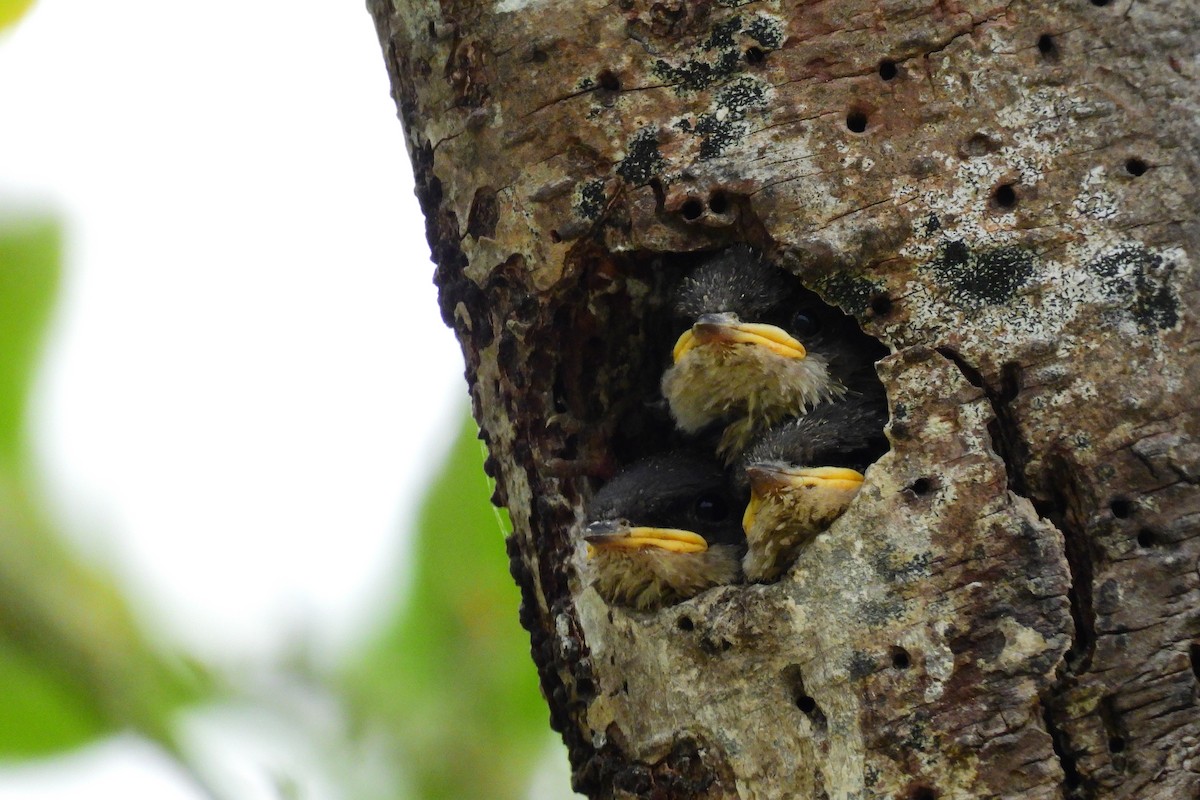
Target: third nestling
x=803 y=474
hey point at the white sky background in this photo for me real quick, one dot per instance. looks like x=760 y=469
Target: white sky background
x=248 y=375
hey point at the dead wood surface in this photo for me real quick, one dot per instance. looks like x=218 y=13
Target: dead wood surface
x=1002 y=193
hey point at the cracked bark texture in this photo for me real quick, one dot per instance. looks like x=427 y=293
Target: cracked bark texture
x=1004 y=195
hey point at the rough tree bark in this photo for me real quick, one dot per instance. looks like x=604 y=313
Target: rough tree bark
x=1002 y=193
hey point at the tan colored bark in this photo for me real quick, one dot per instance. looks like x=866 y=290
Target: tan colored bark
x=1011 y=608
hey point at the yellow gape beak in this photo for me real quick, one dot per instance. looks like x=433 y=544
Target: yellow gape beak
x=672 y=540
x=769 y=480
x=726 y=329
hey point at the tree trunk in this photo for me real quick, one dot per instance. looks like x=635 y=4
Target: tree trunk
x=1002 y=193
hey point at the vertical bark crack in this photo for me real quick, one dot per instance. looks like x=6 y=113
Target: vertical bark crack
x=1056 y=508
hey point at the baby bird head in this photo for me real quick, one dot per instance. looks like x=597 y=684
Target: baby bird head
x=663 y=530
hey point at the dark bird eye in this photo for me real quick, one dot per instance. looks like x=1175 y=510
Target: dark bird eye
x=804 y=325
x=711 y=508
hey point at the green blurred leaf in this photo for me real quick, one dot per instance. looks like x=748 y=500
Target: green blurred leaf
x=30 y=250
x=451 y=681
x=12 y=10
x=73 y=660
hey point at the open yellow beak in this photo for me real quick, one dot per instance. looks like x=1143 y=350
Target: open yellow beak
x=672 y=540
x=726 y=329
x=766 y=480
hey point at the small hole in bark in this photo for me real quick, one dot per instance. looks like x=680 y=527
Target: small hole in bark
x=887 y=69
x=1116 y=744
x=1136 y=167
x=922 y=793
x=685 y=624
x=432 y=30
x=692 y=209
x=585 y=688
x=1005 y=196
x=609 y=80
x=718 y=203
x=881 y=305
x=806 y=704
x=554 y=237
x=900 y=658
x=1147 y=537
x=856 y=121
x=1046 y=46
x=921 y=486
x=1100 y=2
x=1122 y=508
x=1194 y=655
x=755 y=55
x=624 y=687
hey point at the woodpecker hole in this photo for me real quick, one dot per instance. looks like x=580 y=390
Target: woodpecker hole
x=881 y=304
x=806 y=704
x=921 y=486
x=921 y=792
x=685 y=623
x=1147 y=537
x=1194 y=657
x=718 y=203
x=1005 y=196
x=692 y=209
x=856 y=121
x=900 y=658
x=755 y=55
x=1136 y=167
x=1116 y=744
x=1047 y=46
x=609 y=81
x=1122 y=508
x=887 y=69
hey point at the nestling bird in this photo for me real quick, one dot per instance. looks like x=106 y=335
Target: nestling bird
x=802 y=475
x=760 y=349
x=663 y=530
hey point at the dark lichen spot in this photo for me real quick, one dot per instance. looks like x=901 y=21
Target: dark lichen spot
x=1132 y=273
x=932 y=224
x=850 y=292
x=879 y=612
x=766 y=31
x=986 y=277
x=725 y=125
x=722 y=34
x=642 y=158
x=860 y=665
x=591 y=200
